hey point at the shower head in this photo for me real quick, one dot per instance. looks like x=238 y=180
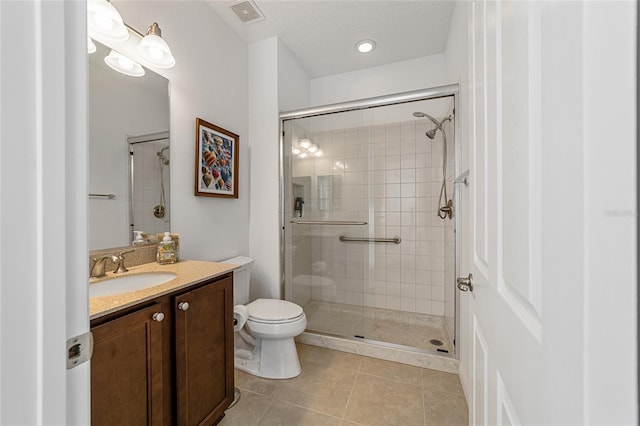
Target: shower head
x=424 y=115
x=431 y=134
x=162 y=157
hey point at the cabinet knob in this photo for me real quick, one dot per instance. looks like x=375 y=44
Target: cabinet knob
x=158 y=316
x=183 y=306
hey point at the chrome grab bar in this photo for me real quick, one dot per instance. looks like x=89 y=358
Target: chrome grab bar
x=108 y=196
x=395 y=240
x=327 y=222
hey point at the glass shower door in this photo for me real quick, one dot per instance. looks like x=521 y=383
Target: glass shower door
x=326 y=204
x=366 y=253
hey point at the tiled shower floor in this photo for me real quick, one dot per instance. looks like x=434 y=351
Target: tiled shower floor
x=384 y=325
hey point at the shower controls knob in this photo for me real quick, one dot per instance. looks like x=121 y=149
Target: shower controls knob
x=464 y=284
x=183 y=306
x=158 y=316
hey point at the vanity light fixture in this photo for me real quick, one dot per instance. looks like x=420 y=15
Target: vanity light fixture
x=124 y=65
x=103 y=19
x=154 y=49
x=365 y=46
x=104 y=22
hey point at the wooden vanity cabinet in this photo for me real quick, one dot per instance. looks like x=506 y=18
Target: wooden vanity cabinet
x=204 y=350
x=150 y=370
x=126 y=370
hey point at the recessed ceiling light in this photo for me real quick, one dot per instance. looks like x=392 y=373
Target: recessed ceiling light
x=365 y=46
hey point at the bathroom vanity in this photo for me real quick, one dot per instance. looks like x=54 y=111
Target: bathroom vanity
x=164 y=355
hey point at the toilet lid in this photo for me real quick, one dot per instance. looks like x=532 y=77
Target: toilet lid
x=273 y=310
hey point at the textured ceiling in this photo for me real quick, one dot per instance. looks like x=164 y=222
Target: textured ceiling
x=322 y=34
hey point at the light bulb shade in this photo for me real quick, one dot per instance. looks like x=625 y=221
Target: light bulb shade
x=155 y=50
x=104 y=20
x=124 y=65
x=91 y=46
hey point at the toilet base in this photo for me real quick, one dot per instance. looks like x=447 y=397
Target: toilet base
x=270 y=358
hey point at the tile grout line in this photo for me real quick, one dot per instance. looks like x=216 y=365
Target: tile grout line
x=353 y=386
x=424 y=408
x=265 y=412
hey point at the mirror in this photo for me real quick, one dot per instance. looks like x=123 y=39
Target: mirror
x=129 y=159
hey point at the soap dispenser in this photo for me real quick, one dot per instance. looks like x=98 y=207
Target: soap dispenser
x=139 y=239
x=166 y=250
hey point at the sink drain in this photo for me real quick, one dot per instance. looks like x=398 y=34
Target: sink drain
x=436 y=342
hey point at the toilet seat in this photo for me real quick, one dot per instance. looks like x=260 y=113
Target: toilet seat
x=274 y=311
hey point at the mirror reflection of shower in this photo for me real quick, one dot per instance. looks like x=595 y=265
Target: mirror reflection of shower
x=159 y=209
x=445 y=204
x=149 y=168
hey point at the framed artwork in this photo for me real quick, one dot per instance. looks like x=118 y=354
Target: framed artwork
x=216 y=164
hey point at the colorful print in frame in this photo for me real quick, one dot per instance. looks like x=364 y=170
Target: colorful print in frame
x=216 y=165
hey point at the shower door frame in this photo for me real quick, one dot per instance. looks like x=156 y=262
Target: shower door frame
x=362 y=104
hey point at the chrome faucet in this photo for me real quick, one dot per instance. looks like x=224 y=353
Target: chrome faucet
x=98 y=267
x=119 y=261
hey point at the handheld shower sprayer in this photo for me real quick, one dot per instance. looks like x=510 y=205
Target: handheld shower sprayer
x=445 y=205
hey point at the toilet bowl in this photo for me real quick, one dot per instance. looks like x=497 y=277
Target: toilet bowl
x=264 y=345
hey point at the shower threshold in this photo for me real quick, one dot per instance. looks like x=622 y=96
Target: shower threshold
x=424 y=358
x=404 y=337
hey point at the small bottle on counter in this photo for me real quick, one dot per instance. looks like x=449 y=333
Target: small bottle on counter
x=167 y=250
x=139 y=239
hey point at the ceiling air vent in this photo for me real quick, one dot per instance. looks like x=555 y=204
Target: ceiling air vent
x=247 y=11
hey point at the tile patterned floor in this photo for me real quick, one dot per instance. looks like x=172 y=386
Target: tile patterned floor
x=344 y=389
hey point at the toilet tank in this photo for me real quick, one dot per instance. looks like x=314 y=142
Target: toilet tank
x=241 y=278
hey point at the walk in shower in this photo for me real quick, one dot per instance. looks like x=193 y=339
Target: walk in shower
x=369 y=219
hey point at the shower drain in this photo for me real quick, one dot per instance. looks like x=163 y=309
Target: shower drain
x=436 y=342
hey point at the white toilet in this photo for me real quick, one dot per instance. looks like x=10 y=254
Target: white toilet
x=265 y=347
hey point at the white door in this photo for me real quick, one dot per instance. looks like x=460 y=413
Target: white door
x=43 y=175
x=529 y=319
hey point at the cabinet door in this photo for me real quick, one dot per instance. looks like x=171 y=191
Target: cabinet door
x=126 y=370
x=204 y=353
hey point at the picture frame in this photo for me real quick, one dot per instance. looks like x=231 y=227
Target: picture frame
x=216 y=161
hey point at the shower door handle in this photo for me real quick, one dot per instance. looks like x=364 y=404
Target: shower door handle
x=464 y=284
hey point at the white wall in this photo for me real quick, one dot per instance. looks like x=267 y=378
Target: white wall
x=414 y=74
x=264 y=146
x=209 y=81
x=276 y=83
x=293 y=82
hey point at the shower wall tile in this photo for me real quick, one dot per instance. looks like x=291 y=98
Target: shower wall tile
x=391 y=179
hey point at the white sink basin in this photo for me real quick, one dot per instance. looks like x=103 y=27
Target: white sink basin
x=129 y=283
